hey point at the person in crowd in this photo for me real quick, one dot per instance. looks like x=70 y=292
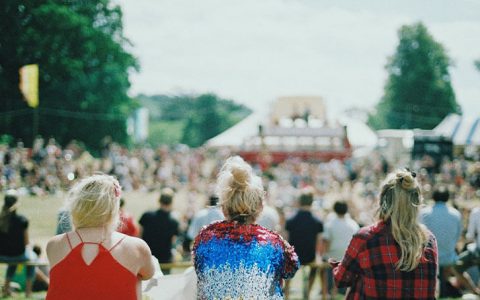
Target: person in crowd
x=471 y=256
x=64 y=223
x=13 y=242
x=205 y=216
x=127 y=224
x=42 y=280
x=236 y=258
x=337 y=235
x=304 y=231
x=160 y=229
x=445 y=222
x=94 y=261
x=269 y=217
x=396 y=257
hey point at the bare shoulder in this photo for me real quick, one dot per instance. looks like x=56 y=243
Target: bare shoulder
x=57 y=249
x=135 y=244
x=55 y=242
x=141 y=245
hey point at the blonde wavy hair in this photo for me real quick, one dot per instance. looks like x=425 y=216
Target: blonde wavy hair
x=240 y=191
x=400 y=200
x=95 y=202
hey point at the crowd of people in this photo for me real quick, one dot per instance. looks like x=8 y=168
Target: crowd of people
x=317 y=207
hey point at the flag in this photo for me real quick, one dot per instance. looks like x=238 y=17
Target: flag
x=29 y=84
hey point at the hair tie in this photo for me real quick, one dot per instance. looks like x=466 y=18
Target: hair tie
x=242 y=218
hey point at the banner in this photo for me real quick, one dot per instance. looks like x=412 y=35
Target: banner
x=29 y=84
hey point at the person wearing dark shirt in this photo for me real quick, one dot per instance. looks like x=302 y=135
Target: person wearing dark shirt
x=303 y=232
x=159 y=229
x=13 y=242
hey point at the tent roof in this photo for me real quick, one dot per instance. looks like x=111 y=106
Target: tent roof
x=238 y=133
x=463 y=130
x=359 y=134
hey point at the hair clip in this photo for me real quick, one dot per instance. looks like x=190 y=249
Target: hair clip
x=117 y=190
x=411 y=172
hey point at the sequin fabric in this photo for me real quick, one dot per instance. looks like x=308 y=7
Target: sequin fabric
x=238 y=261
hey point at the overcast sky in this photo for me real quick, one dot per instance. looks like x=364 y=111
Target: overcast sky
x=253 y=51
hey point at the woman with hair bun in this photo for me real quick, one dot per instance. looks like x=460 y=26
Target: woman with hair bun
x=236 y=258
x=94 y=261
x=395 y=258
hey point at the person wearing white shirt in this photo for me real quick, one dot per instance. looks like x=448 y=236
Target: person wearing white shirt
x=337 y=235
x=204 y=217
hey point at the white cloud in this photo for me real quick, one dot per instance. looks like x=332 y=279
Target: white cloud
x=253 y=51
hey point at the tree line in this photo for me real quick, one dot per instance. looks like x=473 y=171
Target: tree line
x=84 y=63
x=199 y=117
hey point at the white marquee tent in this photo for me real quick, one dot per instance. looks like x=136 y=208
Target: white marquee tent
x=359 y=134
x=464 y=130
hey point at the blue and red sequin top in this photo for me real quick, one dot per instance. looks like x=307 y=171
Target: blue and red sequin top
x=242 y=261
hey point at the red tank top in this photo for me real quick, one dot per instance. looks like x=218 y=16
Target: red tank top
x=104 y=278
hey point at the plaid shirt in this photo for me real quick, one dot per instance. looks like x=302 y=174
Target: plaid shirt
x=368 y=267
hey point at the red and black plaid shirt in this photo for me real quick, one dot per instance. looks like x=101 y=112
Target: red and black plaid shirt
x=368 y=267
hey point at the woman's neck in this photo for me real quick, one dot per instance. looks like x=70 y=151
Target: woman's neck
x=100 y=233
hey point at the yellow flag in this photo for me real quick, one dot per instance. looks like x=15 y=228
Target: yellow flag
x=29 y=84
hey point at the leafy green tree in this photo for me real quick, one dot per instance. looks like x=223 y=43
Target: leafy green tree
x=477 y=64
x=193 y=119
x=418 y=92
x=204 y=122
x=84 y=65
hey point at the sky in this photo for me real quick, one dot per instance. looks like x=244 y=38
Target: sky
x=253 y=51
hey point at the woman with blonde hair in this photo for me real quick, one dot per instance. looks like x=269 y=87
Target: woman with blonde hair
x=236 y=258
x=395 y=258
x=94 y=261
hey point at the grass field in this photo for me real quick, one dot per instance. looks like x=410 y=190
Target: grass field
x=42 y=213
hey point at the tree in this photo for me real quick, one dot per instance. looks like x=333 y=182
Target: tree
x=418 y=92
x=84 y=65
x=190 y=119
x=204 y=122
x=477 y=64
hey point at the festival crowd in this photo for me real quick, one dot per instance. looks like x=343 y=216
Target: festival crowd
x=306 y=203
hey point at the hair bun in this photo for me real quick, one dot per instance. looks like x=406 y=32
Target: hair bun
x=406 y=180
x=240 y=177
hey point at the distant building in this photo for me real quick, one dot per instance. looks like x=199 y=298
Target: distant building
x=297 y=127
x=298 y=107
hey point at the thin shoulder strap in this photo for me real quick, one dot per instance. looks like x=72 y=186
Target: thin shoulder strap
x=116 y=244
x=68 y=239
x=79 y=236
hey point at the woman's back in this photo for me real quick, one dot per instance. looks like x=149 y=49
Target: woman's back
x=82 y=269
x=374 y=251
x=240 y=261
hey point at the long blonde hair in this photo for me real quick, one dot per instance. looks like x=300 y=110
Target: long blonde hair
x=240 y=192
x=400 y=199
x=95 y=202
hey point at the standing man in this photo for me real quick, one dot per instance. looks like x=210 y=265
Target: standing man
x=445 y=222
x=159 y=229
x=338 y=233
x=303 y=231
